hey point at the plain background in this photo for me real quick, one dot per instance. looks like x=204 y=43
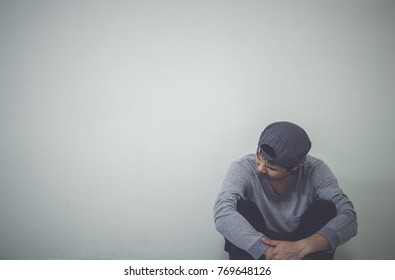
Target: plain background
x=118 y=119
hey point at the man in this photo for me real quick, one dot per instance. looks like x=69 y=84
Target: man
x=282 y=203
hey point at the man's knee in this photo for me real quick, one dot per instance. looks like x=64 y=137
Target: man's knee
x=317 y=215
x=324 y=209
x=251 y=213
x=247 y=208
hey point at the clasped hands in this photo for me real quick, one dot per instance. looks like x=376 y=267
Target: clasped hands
x=283 y=250
x=295 y=250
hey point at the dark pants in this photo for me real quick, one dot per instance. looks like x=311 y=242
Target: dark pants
x=315 y=217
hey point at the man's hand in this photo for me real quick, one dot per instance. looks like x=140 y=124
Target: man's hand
x=283 y=250
x=295 y=250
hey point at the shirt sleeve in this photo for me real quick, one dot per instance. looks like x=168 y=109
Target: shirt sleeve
x=233 y=226
x=344 y=226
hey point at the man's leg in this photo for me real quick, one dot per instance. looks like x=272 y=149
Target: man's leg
x=251 y=213
x=316 y=216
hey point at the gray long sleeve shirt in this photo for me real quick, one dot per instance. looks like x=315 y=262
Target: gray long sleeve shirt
x=283 y=213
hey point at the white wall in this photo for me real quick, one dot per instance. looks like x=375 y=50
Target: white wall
x=118 y=119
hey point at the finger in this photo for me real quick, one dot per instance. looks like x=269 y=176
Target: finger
x=268 y=254
x=269 y=257
x=270 y=242
x=266 y=241
x=273 y=256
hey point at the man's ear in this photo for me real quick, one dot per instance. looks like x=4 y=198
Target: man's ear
x=296 y=167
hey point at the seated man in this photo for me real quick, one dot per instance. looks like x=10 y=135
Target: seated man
x=282 y=203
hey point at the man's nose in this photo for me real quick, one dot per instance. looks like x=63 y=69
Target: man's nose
x=262 y=168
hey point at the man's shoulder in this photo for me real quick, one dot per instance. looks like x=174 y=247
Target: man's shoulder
x=245 y=160
x=242 y=170
x=312 y=160
x=314 y=165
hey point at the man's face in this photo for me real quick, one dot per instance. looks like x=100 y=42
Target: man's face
x=271 y=171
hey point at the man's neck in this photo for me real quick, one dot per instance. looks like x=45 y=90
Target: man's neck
x=280 y=186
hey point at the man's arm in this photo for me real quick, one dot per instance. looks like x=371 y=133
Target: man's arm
x=230 y=223
x=344 y=226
